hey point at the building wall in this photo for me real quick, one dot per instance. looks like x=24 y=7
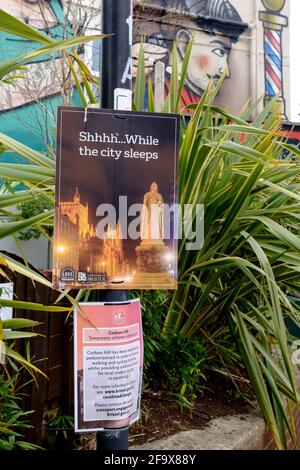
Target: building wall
x=294 y=60
x=249 y=61
x=246 y=60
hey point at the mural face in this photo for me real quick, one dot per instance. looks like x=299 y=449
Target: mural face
x=214 y=26
x=209 y=57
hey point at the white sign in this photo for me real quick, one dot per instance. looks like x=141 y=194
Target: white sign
x=108 y=365
x=122 y=99
x=111 y=385
x=6 y=293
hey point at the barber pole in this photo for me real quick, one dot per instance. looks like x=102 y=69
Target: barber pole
x=274 y=23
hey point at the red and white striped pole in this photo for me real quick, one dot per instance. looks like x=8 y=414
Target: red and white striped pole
x=274 y=22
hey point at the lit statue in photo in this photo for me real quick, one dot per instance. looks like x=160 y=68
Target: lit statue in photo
x=153 y=255
x=152 y=223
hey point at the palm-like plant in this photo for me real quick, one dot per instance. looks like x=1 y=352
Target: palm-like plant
x=37 y=176
x=233 y=292
x=235 y=286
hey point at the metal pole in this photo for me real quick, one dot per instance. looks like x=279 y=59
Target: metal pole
x=113 y=439
x=116 y=50
x=116 y=75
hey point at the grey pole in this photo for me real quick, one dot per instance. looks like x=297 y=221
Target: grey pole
x=115 y=74
x=116 y=50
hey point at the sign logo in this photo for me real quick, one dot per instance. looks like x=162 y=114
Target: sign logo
x=119 y=316
x=82 y=277
x=67 y=275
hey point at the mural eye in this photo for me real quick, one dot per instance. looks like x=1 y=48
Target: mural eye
x=220 y=52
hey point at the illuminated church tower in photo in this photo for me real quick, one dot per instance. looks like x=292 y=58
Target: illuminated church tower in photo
x=77 y=212
x=89 y=246
x=93 y=254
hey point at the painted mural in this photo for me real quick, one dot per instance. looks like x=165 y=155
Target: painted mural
x=28 y=107
x=247 y=41
x=43 y=76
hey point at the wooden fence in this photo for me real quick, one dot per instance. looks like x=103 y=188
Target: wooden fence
x=51 y=351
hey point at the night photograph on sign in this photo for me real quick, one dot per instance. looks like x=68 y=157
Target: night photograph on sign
x=116 y=196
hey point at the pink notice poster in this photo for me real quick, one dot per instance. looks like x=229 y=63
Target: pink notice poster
x=108 y=353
